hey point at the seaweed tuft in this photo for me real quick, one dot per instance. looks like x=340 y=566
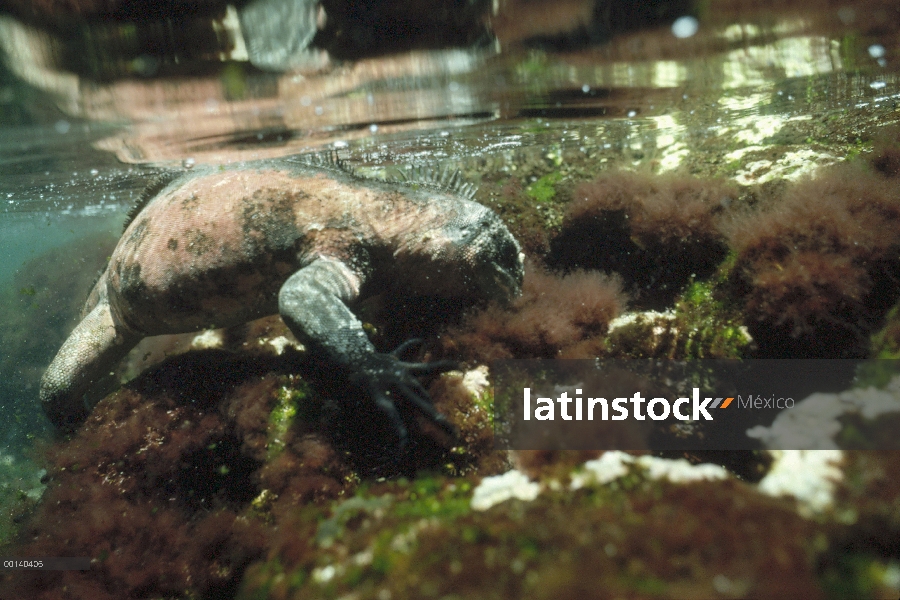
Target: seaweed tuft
x=657 y=232
x=556 y=317
x=817 y=269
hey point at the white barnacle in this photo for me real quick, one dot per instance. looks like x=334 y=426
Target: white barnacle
x=211 y=338
x=500 y=488
x=476 y=380
x=810 y=476
x=615 y=464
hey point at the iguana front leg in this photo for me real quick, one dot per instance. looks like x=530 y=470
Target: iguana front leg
x=314 y=304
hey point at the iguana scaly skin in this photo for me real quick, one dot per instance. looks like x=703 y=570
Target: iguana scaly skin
x=220 y=247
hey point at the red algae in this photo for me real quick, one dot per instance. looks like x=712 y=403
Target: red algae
x=556 y=317
x=665 y=207
x=206 y=463
x=817 y=268
x=160 y=487
x=658 y=232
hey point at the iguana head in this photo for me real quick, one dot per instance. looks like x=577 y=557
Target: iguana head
x=471 y=255
x=479 y=257
x=498 y=264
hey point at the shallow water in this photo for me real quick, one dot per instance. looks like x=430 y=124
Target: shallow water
x=756 y=97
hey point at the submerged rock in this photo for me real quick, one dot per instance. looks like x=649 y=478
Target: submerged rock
x=638 y=527
x=227 y=475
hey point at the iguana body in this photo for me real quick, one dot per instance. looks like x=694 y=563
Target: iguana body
x=220 y=247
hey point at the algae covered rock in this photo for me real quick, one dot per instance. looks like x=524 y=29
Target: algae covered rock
x=616 y=526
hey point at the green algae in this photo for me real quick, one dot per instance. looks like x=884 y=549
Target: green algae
x=704 y=323
x=485 y=402
x=885 y=342
x=332 y=528
x=365 y=538
x=544 y=189
x=712 y=324
x=275 y=580
x=288 y=401
x=855 y=576
x=884 y=348
x=407 y=501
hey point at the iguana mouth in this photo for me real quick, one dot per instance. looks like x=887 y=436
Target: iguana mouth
x=501 y=284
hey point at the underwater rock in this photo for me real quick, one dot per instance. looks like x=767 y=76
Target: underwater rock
x=21 y=488
x=151 y=489
x=618 y=526
x=186 y=475
x=278 y=32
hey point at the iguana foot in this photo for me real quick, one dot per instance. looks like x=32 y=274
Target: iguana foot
x=388 y=379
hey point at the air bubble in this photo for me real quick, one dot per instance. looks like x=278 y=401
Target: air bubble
x=685 y=27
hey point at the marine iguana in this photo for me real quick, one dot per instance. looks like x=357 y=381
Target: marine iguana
x=303 y=237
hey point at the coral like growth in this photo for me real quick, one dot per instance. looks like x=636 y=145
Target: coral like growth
x=206 y=463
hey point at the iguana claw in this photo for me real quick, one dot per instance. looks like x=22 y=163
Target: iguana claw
x=388 y=379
